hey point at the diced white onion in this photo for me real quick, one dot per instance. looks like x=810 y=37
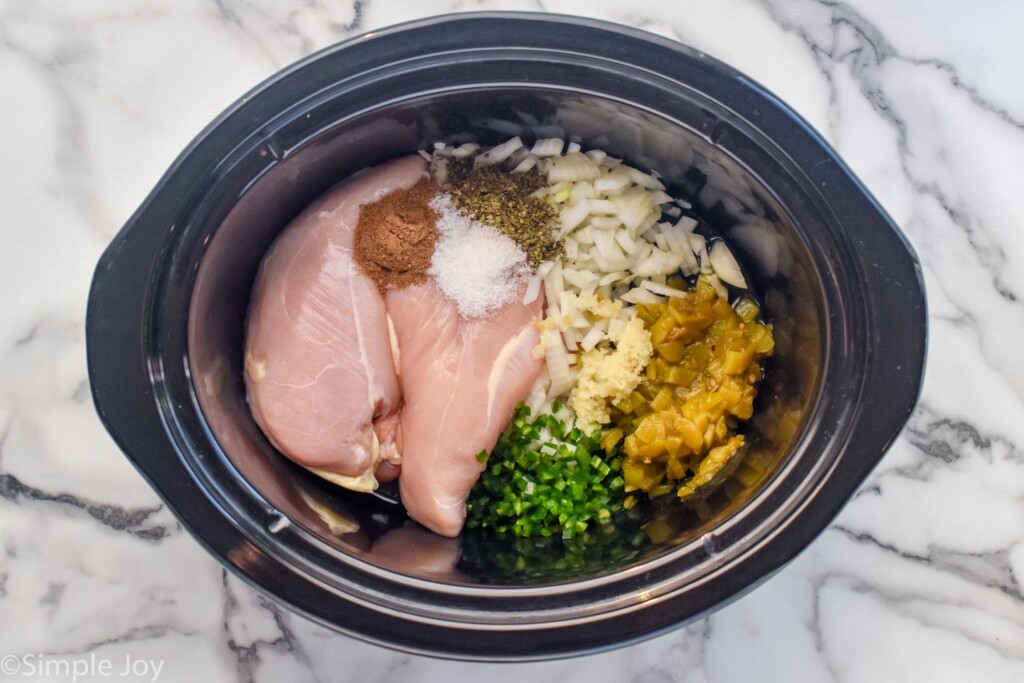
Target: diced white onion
x=532 y=290
x=591 y=338
x=558 y=367
x=605 y=222
x=602 y=206
x=661 y=197
x=719 y=287
x=579 y=278
x=699 y=246
x=725 y=266
x=571 y=167
x=498 y=153
x=464 y=150
x=547 y=147
x=569 y=335
x=625 y=241
x=611 y=183
x=572 y=217
x=528 y=162
x=686 y=224
x=571 y=248
x=663 y=290
x=638 y=295
x=645 y=180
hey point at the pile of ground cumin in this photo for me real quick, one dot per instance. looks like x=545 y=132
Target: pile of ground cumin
x=396 y=235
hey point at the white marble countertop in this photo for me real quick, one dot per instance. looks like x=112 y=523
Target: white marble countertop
x=919 y=579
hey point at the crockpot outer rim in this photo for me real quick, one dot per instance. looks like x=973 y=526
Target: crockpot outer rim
x=227 y=534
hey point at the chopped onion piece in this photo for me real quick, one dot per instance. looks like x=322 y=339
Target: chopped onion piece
x=699 y=246
x=725 y=266
x=686 y=223
x=605 y=243
x=611 y=183
x=680 y=246
x=719 y=287
x=590 y=339
x=572 y=217
x=634 y=208
x=558 y=366
x=625 y=241
x=497 y=154
x=644 y=180
x=571 y=248
x=538 y=395
x=664 y=290
x=661 y=197
x=572 y=167
x=638 y=295
x=528 y=162
x=605 y=222
x=463 y=151
x=612 y=277
x=615 y=327
x=569 y=335
x=532 y=290
x=553 y=286
x=579 y=278
x=603 y=206
x=547 y=147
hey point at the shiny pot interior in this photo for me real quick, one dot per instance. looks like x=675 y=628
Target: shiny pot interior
x=835 y=278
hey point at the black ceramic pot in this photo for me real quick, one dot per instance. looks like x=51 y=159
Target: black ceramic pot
x=838 y=281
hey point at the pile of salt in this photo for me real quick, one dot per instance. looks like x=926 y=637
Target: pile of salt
x=476 y=267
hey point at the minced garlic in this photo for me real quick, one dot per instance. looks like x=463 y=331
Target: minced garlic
x=610 y=375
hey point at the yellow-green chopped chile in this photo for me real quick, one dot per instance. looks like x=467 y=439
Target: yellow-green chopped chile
x=545 y=478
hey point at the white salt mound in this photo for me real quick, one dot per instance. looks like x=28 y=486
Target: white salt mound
x=476 y=267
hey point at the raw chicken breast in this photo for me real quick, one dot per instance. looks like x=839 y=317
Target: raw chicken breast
x=318 y=363
x=461 y=381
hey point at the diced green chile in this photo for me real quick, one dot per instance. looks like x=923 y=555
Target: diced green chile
x=556 y=487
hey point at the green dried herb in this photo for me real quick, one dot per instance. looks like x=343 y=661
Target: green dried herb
x=501 y=199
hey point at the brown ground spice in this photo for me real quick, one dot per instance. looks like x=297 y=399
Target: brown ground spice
x=395 y=236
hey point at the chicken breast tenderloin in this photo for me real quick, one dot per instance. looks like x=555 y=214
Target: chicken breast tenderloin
x=461 y=381
x=319 y=369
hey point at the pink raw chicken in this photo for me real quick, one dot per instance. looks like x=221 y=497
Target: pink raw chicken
x=318 y=366
x=461 y=381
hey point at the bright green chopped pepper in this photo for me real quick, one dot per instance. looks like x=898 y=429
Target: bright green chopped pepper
x=545 y=478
